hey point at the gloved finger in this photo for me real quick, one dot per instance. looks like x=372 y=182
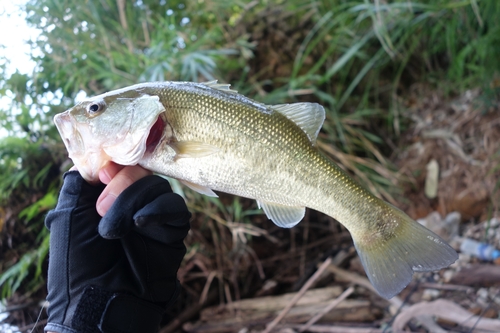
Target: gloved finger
x=168 y=208
x=119 y=219
x=165 y=219
x=75 y=193
x=117 y=178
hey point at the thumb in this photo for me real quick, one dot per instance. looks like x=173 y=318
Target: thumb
x=119 y=219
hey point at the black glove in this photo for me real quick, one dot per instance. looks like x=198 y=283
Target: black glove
x=119 y=273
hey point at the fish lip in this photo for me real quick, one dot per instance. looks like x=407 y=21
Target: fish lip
x=64 y=125
x=83 y=160
x=69 y=134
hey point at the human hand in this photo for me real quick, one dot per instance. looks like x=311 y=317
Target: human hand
x=117 y=178
x=124 y=283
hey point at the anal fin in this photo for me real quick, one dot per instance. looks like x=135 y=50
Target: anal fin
x=283 y=216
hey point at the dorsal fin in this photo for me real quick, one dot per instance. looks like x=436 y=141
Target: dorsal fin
x=308 y=116
x=220 y=86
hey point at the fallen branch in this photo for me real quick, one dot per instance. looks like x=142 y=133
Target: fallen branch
x=446 y=310
x=336 y=329
x=330 y=307
x=301 y=292
x=255 y=313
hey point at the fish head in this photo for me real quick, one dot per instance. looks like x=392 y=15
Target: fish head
x=111 y=127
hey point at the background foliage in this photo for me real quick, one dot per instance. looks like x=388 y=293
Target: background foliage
x=357 y=58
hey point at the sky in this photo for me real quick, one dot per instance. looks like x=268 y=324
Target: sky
x=15 y=33
x=14 y=45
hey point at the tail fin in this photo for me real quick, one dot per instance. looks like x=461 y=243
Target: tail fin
x=390 y=263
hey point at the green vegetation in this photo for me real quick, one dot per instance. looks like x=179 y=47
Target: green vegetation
x=357 y=58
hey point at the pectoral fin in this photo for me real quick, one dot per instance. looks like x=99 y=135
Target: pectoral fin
x=283 y=216
x=199 y=188
x=193 y=149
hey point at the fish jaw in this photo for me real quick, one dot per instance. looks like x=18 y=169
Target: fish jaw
x=88 y=161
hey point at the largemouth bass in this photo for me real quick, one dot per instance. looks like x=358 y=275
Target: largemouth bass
x=212 y=138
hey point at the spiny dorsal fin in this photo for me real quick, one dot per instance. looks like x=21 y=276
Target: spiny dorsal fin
x=220 y=86
x=308 y=116
x=283 y=216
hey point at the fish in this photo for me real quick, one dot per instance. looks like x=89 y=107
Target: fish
x=212 y=138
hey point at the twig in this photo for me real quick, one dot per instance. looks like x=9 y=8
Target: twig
x=453 y=287
x=338 y=329
x=289 y=256
x=362 y=281
x=204 y=293
x=123 y=21
x=353 y=277
x=260 y=269
x=447 y=310
x=332 y=305
x=301 y=292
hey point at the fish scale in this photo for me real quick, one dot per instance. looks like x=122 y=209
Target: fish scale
x=216 y=139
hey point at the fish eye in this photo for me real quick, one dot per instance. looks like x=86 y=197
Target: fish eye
x=95 y=107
